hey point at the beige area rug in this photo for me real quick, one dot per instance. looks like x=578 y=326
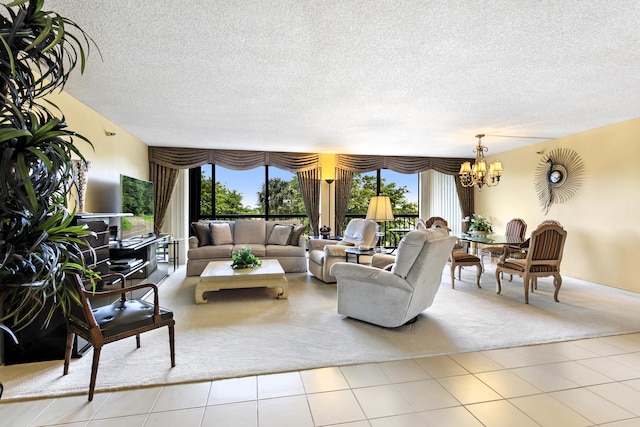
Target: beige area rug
x=249 y=332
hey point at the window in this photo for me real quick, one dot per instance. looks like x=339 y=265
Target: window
x=401 y=188
x=243 y=193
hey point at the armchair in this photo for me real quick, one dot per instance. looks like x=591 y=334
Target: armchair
x=324 y=253
x=391 y=298
x=516 y=227
x=542 y=259
x=122 y=319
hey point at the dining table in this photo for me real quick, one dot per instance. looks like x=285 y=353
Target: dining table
x=476 y=241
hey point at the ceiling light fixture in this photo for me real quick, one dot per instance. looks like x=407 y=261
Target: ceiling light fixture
x=478 y=174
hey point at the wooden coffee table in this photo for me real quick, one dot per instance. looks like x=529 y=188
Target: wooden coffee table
x=219 y=275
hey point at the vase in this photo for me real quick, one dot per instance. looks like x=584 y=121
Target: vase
x=479 y=233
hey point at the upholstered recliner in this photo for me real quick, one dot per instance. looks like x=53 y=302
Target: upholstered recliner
x=324 y=253
x=393 y=297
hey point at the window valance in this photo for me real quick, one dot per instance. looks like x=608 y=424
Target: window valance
x=187 y=158
x=401 y=164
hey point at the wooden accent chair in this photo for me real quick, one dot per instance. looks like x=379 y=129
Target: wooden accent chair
x=516 y=227
x=542 y=260
x=429 y=222
x=459 y=257
x=122 y=319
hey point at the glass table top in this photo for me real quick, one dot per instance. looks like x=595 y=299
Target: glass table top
x=490 y=239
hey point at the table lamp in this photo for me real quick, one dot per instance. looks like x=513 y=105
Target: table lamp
x=380 y=210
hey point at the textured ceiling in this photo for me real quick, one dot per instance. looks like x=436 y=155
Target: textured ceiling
x=410 y=77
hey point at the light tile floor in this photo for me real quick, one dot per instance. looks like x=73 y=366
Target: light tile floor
x=590 y=382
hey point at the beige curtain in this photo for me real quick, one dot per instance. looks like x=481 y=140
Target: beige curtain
x=344 y=180
x=164 y=180
x=310 y=188
x=466 y=199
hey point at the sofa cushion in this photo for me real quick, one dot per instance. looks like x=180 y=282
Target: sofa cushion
x=211 y=252
x=257 y=249
x=280 y=234
x=221 y=234
x=360 y=231
x=203 y=233
x=294 y=239
x=277 y=251
x=249 y=231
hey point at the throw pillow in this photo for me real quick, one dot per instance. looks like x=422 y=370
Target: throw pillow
x=295 y=234
x=280 y=234
x=221 y=234
x=202 y=233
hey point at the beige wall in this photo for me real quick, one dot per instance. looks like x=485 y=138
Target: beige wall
x=111 y=156
x=601 y=219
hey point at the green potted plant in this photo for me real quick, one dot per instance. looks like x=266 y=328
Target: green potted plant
x=39 y=248
x=243 y=258
x=478 y=224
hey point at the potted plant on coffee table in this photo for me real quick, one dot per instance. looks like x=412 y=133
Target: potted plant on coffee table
x=40 y=248
x=243 y=258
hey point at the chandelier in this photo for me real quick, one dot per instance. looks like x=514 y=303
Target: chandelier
x=478 y=174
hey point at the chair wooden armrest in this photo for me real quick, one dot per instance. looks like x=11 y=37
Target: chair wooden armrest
x=120 y=319
x=123 y=288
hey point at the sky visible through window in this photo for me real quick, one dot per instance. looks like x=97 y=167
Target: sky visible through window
x=249 y=182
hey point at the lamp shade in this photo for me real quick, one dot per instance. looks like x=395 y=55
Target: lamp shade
x=380 y=209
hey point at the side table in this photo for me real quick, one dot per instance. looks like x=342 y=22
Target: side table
x=173 y=256
x=357 y=252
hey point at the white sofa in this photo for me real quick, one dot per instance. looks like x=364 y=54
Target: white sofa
x=324 y=253
x=217 y=240
x=393 y=297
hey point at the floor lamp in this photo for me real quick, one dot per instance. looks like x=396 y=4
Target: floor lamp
x=329 y=181
x=380 y=210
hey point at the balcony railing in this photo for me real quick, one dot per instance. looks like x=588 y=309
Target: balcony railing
x=391 y=238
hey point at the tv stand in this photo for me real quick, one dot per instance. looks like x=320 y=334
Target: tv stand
x=142 y=249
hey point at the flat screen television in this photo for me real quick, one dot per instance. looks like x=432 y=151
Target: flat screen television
x=137 y=199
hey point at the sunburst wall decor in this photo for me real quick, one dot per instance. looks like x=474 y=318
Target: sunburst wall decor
x=558 y=177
